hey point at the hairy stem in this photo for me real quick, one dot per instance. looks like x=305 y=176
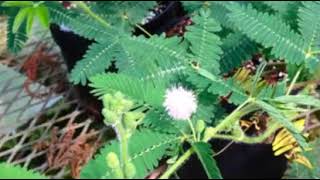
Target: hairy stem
x=177 y=164
x=192 y=129
x=237 y=113
x=87 y=10
x=143 y=30
x=293 y=82
x=124 y=151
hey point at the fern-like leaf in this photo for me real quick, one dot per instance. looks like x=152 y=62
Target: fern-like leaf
x=15 y=41
x=80 y=24
x=159 y=121
x=270 y=31
x=205 y=45
x=123 y=15
x=237 y=48
x=165 y=58
x=309 y=23
x=9 y=171
x=134 y=88
x=96 y=60
x=146 y=148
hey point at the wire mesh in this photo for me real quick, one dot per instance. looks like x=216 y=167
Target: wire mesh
x=20 y=140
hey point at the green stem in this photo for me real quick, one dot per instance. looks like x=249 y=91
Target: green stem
x=177 y=164
x=124 y=152
x=250 y=140
x=87 y=10
x=315 y=52
x=293 y=82
x=237 y=113
x=193 y=130
x=143 y=30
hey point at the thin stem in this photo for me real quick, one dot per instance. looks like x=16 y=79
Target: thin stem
x=228 y=120
x=143 y=30
x=315 y=52
x=87 y=10
x=192 y=129
x=294 y=81
x=124 y=152
x=177 y=164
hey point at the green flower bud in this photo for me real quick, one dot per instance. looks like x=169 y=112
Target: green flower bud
x=106 y=100
x=208 y=133
x=129 y=121
x=110 y=116
x=127 y=105
x=130 y=170
x=118 y=96
x=200 y=126
x=113 y=160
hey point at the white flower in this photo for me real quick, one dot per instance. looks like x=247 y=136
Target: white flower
x=180 y=103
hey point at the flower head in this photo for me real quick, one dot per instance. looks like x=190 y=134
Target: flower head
x=180 y=103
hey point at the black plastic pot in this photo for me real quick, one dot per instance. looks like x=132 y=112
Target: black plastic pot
x=239 y=161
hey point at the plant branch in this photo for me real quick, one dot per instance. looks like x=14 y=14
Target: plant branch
x=192 y=129
x=177 y=164
x=294 y=80
x=87 y=10
x=143 y=30
x=124 y=152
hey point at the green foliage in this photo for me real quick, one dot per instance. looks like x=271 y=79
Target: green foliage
x=222 y=36
x=27 y=12
x=309 y=23
x=15 y=41
x=146 y=149
x=279 y=116
x=271 y=31
x=237 y=48
x=205 y=154
x=298 y=171
x=134 y=88
x=205 y=45
x=123 y=15
x=8 y=171
x=84 y=25
x=299 y=100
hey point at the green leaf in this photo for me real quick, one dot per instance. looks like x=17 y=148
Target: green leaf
x=96 y=60
x=204 y=43
x=9 y=171
x=309 y=23
x=160 y=121
x=223 y=88
x=21 y=16
x=146 y=148
x=237 y=48
x=15 y=41
x=277 y=115
x=30 y=21
x=42 y=13
x=205 y=154
x=299 y=99
x=270 y=31
x=134 y=88
x=17 y=3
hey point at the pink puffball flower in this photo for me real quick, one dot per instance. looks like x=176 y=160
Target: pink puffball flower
x=180 y=103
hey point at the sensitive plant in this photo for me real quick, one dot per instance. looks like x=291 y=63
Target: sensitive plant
x=167 y=91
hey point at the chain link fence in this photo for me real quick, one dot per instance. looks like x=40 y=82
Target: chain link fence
x=36 y=130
